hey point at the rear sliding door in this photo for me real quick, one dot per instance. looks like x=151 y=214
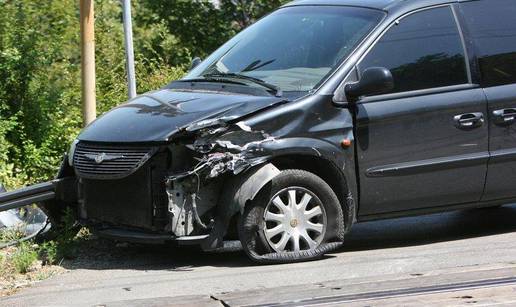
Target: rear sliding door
x=491 y=24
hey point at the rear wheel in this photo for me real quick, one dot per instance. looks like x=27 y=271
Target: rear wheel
x=295 y=215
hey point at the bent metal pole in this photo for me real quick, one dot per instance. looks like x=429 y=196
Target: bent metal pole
x=129 y=51
x=89 y=110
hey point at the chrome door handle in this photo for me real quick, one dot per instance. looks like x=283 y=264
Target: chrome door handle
x=504 y=117
x=469 y=120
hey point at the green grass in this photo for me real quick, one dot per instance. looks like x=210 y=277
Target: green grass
x=24 y=257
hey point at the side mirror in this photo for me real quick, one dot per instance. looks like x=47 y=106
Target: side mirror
x=195 y=62
x=374 y=81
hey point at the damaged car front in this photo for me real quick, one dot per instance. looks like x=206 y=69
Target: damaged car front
x=243 y=147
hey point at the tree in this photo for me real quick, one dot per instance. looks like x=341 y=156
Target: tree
x=40 y=91
x=182 y=29
x=196 y=25
x=243 y=13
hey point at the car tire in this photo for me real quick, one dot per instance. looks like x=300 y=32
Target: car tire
x=298 y=207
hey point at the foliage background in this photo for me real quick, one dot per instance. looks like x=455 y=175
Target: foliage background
x=40 y=98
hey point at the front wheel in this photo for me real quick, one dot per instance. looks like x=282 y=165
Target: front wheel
x=292 y=219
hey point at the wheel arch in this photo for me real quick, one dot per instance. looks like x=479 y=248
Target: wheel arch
x=241 y=189
x=323 y=168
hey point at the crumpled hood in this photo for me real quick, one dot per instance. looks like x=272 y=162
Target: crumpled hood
x=158 y=116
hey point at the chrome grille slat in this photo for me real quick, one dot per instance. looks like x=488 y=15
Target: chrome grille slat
x=107 y=169
x=85 y=164
x=129 y=160
x=114 y=153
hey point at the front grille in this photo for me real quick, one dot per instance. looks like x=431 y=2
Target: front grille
x=135 y=201
x=94 y=161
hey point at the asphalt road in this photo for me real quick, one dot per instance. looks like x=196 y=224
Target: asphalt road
x=469 y=242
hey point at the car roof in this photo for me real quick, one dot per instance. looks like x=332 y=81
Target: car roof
x=377 y=4
x=385 y=5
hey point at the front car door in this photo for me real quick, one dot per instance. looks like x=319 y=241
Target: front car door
x=425 y=144
x=491 y=24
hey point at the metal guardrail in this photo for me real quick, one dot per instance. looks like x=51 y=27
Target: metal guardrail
x=27 y=196
x=34 y=221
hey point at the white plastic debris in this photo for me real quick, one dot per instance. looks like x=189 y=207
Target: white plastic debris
x=30 y=221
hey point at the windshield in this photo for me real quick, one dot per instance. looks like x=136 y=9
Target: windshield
x=294 y=48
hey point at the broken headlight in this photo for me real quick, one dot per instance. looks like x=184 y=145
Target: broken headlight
x=71 y=152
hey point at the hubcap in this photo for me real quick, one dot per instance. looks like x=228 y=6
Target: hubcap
x=295 y=220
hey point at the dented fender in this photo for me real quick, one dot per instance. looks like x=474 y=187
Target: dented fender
x=245 y=188
x=238 y=190
x=325 y=149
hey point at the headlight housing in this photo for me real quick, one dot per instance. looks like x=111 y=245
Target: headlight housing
x=71 y=152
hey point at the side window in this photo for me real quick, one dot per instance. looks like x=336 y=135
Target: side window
x=492 y=26
x=424 y=50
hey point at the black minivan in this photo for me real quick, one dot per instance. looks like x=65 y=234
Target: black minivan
x=321 y=115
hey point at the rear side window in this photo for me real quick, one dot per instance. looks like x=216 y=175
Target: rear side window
x=424 y=50
x=492 y=26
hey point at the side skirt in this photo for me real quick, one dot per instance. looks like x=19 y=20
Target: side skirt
x=426 y=211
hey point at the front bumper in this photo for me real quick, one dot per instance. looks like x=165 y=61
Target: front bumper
x=134 y=236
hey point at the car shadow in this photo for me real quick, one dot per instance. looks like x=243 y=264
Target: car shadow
x=99 y=254
x=434 y=228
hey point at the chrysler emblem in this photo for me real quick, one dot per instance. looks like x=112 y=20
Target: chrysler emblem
x=102 y=157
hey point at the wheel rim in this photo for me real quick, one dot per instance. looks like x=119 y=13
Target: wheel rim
x=295 y=220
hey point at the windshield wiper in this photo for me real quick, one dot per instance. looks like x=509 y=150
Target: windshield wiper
x=209 y=79
x=257 y=65
x=276 y=89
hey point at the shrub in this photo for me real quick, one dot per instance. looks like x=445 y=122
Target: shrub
x=40 y=92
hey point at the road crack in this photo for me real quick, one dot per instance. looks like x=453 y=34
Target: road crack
x=222 y=302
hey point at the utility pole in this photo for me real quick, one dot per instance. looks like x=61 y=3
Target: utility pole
x=89 y=110
x=129 y=50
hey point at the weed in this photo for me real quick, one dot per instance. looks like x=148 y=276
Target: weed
x=43 y=275
x=3 y=265
x=48 y=253
x=24 y=257
x=65 y=241
x=11 y=234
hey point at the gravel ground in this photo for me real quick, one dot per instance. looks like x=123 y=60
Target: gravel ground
x=11 y=281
